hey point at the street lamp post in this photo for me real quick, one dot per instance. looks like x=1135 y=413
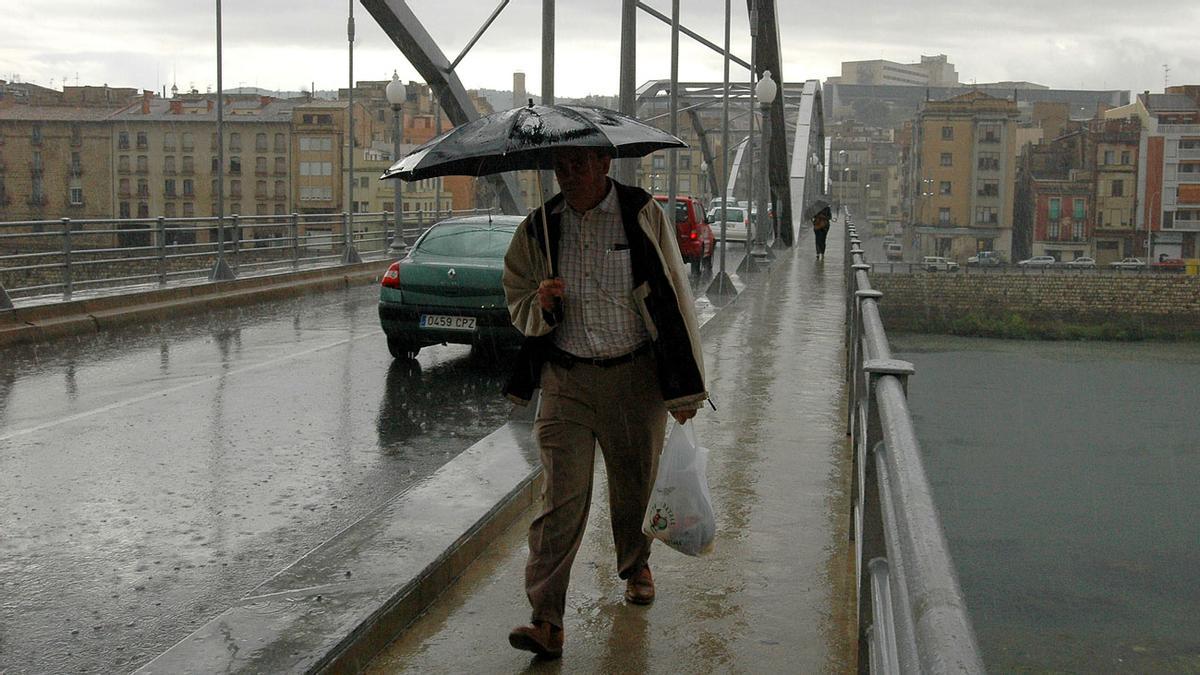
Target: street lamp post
x=396 y=95
x=765 y=91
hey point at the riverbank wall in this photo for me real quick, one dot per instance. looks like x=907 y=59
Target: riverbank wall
x=1101 y=306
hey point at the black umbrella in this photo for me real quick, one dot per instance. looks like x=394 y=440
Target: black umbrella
x=524 y=138
x=815 y=207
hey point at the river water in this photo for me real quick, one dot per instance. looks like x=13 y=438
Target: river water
x=1067 y=477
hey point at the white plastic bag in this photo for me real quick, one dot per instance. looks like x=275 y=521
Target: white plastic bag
x=680 y=512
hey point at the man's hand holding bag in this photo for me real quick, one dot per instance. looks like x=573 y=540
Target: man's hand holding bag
x=680 y=512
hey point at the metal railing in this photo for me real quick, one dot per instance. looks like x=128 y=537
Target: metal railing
x=912 y=616
x=40 y=258
x=900 y=267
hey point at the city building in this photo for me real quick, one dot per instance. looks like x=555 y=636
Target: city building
x=930 y=71
x=1168 y=170
x=962 y=177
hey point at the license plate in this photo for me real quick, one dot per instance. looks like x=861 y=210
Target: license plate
x=446 y=322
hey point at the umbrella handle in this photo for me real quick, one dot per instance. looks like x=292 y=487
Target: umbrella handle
x=545 y=227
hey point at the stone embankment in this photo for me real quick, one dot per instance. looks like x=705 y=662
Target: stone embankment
x=1102 y=306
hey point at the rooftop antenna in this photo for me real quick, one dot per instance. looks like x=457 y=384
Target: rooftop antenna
x=1166 y=76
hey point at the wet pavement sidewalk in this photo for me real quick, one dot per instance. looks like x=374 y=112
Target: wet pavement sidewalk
x=776 y=595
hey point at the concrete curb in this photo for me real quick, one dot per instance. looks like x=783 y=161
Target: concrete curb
x=339 y=606
x=40 y=323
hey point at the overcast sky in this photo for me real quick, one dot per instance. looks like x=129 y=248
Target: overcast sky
x=277 y=44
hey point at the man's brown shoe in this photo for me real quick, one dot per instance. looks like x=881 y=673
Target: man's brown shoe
x=541 y=637
x=639 y=588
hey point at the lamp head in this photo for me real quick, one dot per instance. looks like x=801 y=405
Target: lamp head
x=394 y=91
x=766 y=89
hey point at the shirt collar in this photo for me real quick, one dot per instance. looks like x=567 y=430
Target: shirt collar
x=606 y=205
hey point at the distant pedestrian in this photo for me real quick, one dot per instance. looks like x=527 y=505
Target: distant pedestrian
x=821 y=229
x=611 y=337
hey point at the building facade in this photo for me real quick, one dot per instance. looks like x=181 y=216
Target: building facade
x=962 y=178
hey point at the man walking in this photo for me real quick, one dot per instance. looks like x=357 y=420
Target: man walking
x=595 y=281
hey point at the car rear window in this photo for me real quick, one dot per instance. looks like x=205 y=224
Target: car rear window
x=466 y=240
x=681 y=210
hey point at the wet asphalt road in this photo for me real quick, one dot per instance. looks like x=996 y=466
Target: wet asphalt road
x=151 y=476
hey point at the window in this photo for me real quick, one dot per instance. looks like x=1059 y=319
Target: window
x=260 y=209
x=169 y=164
x=316 y=193
x=685 y=184
x=1077 y=230
x=1055 y=209
x=1052 y=231
x=169 y=209
x=260 y=166
x=947 y=159
x=76 y=196
x=1124 y=156
x=76 y=136
x=169 y=141
x=187 y=143
x=235 y=142
x=280 y=144
x=943 y=216
x=188 y=164
x=988 y=188
x=189 y=209
x=280 y=166
x=36 y=134
x=260 y=142
x=1118 y=188
x=658 y=162
x=123 y=187
x=235 y=165
x=947 y=133
x=1078 y=211
x=363 y=182
x=944 y=187
x=123 y=142
x=123 y=210
x=280 y=190
x=143 y=187
x=986 y=215
x=77 y=164
x=169 y=187
x=989 y=133
x=316 y=168
x=989 y=161
x=142 y=141
x=143 y=210
x=260 y=189
x=235 y=188
x=685 y=162
x=189 y=187
x=143 y=164
x=1110 y=157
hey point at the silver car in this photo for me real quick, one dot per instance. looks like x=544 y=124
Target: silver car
x=737 y=224
x=936 y=263
x=1038 y=261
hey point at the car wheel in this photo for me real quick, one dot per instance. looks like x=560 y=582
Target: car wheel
x=401 y=349
x=707 y=264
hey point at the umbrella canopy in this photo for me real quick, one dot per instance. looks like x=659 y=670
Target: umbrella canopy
x=524 y=138
x=817 y=206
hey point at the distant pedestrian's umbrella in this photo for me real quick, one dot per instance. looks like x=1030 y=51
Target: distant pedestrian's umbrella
x=817 y=206
x=524 y=138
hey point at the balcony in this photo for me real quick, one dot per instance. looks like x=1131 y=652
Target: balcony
x=1189 y=153
x=123 y=144
x=75 y=169
x=123 y=169
x=989 y=140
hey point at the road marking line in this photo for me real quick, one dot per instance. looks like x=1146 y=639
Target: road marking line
x=180 y=387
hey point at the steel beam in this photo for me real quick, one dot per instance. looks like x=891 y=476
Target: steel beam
x=397 y=19
x=767 y=56
x=706 y=151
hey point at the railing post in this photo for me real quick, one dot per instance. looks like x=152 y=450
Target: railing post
x=236 y=234
x=68 y=280
x=349 y=252
x=294 y=226
x=162 y=251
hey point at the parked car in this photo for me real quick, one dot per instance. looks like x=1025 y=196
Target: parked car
x=985 y=259
x=737 y=222
x=893 y=251
x=1128 y=264
x=1169 y=265
x=695 y=236
x=1082 y=262
x=936 y=263
x=1038 y=261
x=447 y=288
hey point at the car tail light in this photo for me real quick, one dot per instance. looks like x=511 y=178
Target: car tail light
x=391 y=278
x=694 y=235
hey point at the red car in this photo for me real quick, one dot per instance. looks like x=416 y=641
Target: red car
x=692 y=231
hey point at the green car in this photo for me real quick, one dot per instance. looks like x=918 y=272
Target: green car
x=447 y=289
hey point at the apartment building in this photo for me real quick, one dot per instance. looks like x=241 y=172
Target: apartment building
x=1168 y=170
x=962 y=177
x=930 y=71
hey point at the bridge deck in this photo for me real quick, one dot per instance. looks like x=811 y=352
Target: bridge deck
x=776 y=594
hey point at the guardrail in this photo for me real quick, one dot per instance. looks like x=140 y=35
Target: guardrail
x=892 y=267
x=64 y=256
x=911 y=613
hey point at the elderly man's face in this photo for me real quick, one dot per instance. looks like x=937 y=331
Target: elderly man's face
x=582 y=175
